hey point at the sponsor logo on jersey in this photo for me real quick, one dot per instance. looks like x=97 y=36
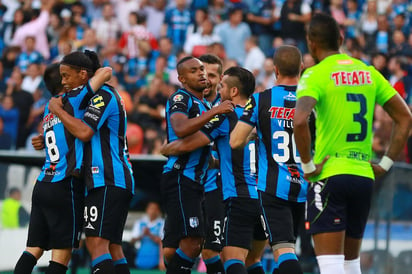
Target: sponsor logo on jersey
x=50 y=120
x=95 y=170
x=351 y=78
x=89 y=226
x=97 y=101
x=282 y=113
x=194 y=222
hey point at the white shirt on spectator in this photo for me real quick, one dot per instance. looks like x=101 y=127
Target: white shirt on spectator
x=123 y=9
x=254 y=59
x=197 y=39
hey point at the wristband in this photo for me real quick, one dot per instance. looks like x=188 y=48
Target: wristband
x=386 y=163
x=309 y=167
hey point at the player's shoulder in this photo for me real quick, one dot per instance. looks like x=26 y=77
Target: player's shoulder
x=180 y=95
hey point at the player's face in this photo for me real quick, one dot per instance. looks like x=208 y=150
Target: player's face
x=72 y=78
x=194 y=75
x=225 y=89
x=213 y=77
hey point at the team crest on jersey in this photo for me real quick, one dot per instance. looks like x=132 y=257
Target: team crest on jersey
x=194 y=222
x=177 y=98
x=97 y=101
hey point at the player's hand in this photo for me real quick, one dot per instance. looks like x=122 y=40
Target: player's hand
x=378 y=170
x=317 y=171
x=164 y=150
x=37 y=142
x=55 y=104
x=226 y=106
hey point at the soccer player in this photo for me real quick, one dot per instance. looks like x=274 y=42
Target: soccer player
x=238 y=169
x=182 y=190
x=58 y=196
x=107 y=171
x=282 y=189
x=213 y=202
x=343 y=91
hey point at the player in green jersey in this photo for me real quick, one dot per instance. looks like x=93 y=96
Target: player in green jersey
x=343 y=91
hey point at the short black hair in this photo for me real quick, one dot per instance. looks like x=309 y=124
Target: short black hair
x=288 y=60
x=87 y=60
x=13 y=190
x=324 y=31
x=244 y=80
x=52 y=79
x=181 y=62
x=212 y=59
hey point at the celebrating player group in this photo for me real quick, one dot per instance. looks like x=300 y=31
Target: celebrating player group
x=241 y=163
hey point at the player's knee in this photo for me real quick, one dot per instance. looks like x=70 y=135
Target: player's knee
x=168 y=253
x=191 y=246
x=97 y=245
x=37 y=252
x=208 y=253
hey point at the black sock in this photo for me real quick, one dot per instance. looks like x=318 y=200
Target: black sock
x=256 y=268
x=121 y=266
x=25 y=264
x=234 y=266
x=103 y=265
x=214 y=265
x=276 y=271
x=180 y=263
x=288 y=264
x=56 y=268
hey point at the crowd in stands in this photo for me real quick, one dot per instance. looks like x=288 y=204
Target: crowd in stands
x=143 y=39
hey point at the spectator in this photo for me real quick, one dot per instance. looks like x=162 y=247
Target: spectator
x=90 y=41
x=23 y=101
x=400 y=80
x=234 y=33
x=13 y=214
x=29 y=55
x=9 y=115
x=123 y=9
x=218 y=11
x=383 y=35
x=380 y=62
x=266 y=77
x=7 y=64
x=32 y=80
x=155 y=14
x=175 y=24
x=149 y=232
x=36 y=28
x=165 y=49
x=135 y=138
x=262 y=17
x=197 y=43
x=369 y=26
x=11 y=28
x=254 y=56
x=293 y=17
x=399 y=44
x=196 y=27
x=107 y=26
x=352 y=17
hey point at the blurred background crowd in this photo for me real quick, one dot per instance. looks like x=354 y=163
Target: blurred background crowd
x=143 y=39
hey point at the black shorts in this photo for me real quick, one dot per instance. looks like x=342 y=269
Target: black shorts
x=105 y=213
x=184 y=218
x=56 y=218
x=214 y=211
x=282 y=218
x=339 y=203
x=243 y=222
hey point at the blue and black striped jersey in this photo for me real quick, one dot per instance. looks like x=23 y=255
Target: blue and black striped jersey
x=193 y=165
x=237 y=166
x=280 y=172
x=64 y=152
x=106 y=160
x=213 y=180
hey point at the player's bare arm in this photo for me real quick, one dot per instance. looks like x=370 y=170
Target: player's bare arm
x=75 y=126
x=240 y=135
x=402 y=123
x=184 y=126
x=185 y=145
x=101 y=76
x=304 y=107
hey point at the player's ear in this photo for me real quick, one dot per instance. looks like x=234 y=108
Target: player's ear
x=234 y=91
x=83 y=74
x=181 y=79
